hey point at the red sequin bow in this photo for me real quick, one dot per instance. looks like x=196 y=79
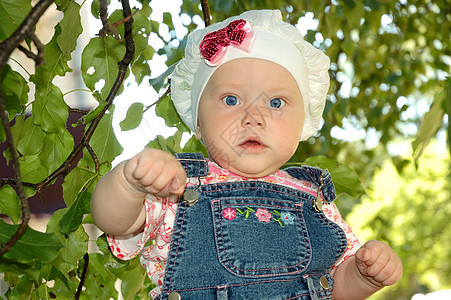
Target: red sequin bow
x=215 y=44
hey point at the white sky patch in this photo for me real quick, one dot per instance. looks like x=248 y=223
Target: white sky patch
x=307 y=23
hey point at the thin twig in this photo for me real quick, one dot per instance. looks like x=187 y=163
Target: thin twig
x=27 y=52
x=115 y=24
x=83 y=276
x=94 y=157
x=168 y=90
x=10 y=181
x=206 y=12
x=106 y=25
x=40 y=47
x=77 y=110
x=38 y=58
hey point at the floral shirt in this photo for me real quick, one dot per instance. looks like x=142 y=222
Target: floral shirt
x=160 y=216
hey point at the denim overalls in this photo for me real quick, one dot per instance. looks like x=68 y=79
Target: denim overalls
x=252 y=240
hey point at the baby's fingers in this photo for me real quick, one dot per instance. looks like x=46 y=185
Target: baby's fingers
x=379 y=263
x=177 y=185
x=171 y=180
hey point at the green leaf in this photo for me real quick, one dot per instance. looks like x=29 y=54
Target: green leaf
x=140 y=68
x=99 y=281
x=75 y=243
x=165 y=108
x=9 y=203
x=22 y=289
x=49 y=109
x=31 y=140
x=55 y=64
x=349 y=3
x=104 y=141
x=148 y=52
x=13 y=12
x=32 y=169
x=133 y=280
x=142 y=28
x=77 y=179
x=64 y=289
x=32 y=245
x=194 y=145
x=73 y=217
x=170 y=145
x=14 y=91
x=95 y=112
x=9 y=267
x=99 y=62
x=57 y=147
x=432 y=122
x=18 y=129
x=71 y=28
x=158 y=82
x=133 y=118
x=344 y=178
x=95 y=8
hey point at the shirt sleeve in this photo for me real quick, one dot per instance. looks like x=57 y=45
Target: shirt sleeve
x=129 y=246
x=333 y=214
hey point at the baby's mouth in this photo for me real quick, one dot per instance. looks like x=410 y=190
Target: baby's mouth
x=252 y=143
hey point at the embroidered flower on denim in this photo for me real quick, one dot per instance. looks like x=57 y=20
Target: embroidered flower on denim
x=263 y=215
x=229 y=213
x=287 y=218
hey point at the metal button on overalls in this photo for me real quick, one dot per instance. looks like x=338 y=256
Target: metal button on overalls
x=324 y=282
x=190 y=197
x=174 y=296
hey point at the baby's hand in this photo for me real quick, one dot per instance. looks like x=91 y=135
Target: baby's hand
x=378 y=264
x=156 y=172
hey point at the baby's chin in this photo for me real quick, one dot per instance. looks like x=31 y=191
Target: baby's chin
x=248 y=169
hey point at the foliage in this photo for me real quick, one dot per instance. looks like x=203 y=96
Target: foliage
x=410 y=210
x=387 y=56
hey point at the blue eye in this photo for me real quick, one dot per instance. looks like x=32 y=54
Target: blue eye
x=231 y=100
x=276 y=103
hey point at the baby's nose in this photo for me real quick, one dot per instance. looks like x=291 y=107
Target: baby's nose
x=254 y=116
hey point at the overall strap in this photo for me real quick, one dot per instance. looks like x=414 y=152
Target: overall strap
x=194 y=164
x=317 y=176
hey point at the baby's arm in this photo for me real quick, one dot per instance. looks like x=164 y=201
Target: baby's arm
x=117 y=204
x=374 y=266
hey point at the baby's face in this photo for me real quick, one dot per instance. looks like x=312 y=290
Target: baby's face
x=251 y=116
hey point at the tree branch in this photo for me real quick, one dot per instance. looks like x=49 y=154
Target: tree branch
x=123 y=66
x=38 y=58
x=25 y=30
x=83 y=276
x=10 y=181
x=94 y=157
x=77 y=110
x=206 y=12
x=6 y=48
x=168 y=90
x=106 y=25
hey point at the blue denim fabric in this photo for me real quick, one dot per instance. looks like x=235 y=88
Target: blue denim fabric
x=214 y=257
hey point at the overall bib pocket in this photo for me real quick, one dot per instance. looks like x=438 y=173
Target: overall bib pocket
x=261 y=237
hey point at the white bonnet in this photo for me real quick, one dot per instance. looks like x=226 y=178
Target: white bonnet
x=276 y=41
